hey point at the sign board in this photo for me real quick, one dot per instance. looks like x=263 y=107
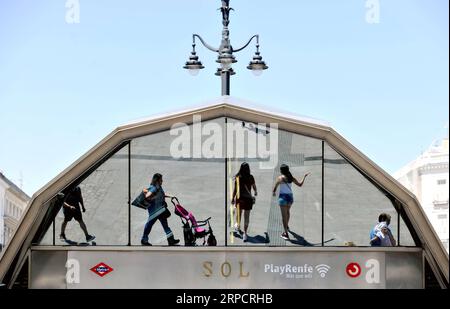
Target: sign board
x=226 y=269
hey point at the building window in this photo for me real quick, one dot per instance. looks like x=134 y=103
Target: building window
x=440 y=205
x=8 y=233
x=442 y=181
x=445 y=243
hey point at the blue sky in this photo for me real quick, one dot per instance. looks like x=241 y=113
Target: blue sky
x=65 y=86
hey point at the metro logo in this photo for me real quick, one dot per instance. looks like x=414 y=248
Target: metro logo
x=101 y=269
x=354 y=270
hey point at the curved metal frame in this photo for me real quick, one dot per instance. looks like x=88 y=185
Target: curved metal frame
x=204 y=43
x=257 y=42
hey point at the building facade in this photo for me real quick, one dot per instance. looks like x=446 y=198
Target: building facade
x=428 y=178
x=13 y=202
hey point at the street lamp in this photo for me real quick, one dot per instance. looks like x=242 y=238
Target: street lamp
x=193 y=64
x=225 y=53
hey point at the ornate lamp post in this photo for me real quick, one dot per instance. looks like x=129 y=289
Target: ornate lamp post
x=225 y=53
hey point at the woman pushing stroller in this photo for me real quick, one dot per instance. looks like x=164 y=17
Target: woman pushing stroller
x=156 y=197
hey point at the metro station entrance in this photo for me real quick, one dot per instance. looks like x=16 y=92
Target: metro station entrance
x=199 y=153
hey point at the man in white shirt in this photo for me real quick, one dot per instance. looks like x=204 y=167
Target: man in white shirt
x=381 y=234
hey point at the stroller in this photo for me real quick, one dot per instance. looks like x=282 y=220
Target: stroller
x=193 y=229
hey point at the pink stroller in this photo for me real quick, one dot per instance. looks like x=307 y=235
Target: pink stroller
x=193 y=229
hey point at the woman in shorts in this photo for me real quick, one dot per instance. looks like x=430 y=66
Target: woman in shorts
x=286 y=196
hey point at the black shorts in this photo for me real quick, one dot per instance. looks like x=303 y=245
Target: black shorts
x=72 y=213
x=245 y=203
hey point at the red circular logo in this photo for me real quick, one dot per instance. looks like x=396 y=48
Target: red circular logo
x=353 y=270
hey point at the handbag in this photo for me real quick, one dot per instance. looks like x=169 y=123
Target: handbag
x=166 y=213
x=141 y=202
x=249 y=192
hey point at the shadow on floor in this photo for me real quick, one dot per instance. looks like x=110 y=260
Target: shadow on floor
x=299 y=240
x=258 y=239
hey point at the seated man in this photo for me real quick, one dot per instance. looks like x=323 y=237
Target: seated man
x=381 y=235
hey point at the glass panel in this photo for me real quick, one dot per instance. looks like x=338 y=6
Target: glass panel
x=352 y=203
x=47 y=240
x=105 y=197
x=53 y=206
x=193 y=168
x=303 y=155
x=405 y=236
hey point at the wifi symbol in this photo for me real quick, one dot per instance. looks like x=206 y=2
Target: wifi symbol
x=322 y=269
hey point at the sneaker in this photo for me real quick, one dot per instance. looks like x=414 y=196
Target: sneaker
x=145 y=243
x=90 y=238
x=237 y=230
x=244 y=238
x=285 y=236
